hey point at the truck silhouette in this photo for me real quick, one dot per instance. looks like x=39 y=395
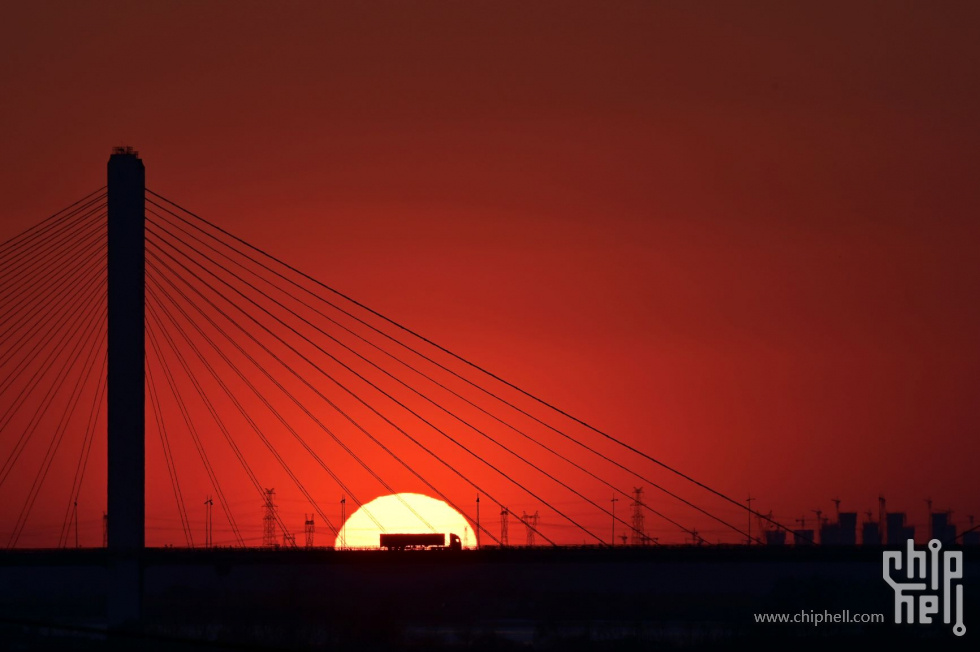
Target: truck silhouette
x=419 y=541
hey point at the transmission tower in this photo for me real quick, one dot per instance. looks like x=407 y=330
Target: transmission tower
x=309 y=528
x=504 y=515
x=269 y=520
x=638 y=537
x=531 y=524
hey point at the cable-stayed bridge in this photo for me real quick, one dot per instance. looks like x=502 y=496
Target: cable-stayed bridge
x=166 y=384
x=258 y=375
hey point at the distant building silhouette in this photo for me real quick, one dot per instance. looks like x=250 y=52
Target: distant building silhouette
x=940 y=527
x=841 y=533
x=896 y=531
x=870 y=533
x=775 y=537
x=971 y=537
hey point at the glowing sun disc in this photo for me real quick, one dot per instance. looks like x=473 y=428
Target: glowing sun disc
x=403 y=513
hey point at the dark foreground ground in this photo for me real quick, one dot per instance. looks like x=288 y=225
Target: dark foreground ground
x=683 y=598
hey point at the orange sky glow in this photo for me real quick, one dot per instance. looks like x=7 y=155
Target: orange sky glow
x=742 y=240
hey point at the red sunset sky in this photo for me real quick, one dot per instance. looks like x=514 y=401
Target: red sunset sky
x=739 y=236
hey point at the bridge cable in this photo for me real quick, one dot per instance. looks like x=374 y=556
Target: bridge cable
x=241 y=410
x=366 y=380
x=421 y=373
x=44 y=224
x=474 y=366
x=20 y=273
x=91 y=332
x=79 y=313
x=436 y=382
x=452 y=414
x=59 y=433
x=292 y=397
x=210 y=406
x=92 y=424
x=237 y=404
x=355 y=395
x=29 y=275
x=312 y=388
x=168 y=453
x=45 y=284
x=256 y=391
x=189 y=422
x=21 y=240
x=79 y=271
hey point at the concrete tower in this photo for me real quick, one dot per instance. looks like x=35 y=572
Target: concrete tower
x=126 y=398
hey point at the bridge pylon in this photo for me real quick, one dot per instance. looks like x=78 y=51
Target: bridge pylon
x=125 y=533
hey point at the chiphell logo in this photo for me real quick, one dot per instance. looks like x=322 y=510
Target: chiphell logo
x=942 y=581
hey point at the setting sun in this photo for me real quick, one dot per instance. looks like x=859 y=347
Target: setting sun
x=404 y=513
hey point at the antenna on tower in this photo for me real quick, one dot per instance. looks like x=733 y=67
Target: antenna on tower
x=638 y=537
